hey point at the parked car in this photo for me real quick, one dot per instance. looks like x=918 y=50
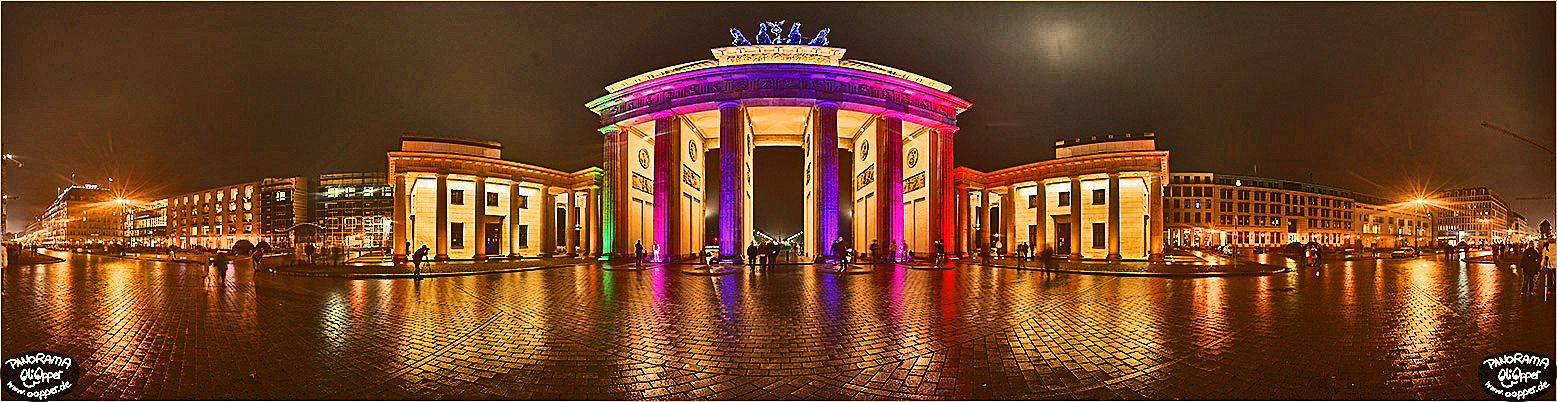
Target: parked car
x=1405 y=252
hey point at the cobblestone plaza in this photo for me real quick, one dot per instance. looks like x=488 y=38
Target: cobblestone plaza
x=1373 y=329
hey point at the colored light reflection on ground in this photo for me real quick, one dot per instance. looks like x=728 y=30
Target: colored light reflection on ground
x=1361 y=329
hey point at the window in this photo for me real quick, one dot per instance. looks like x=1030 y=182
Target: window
x=524 y=201
x=1099 y=235
x=457 y=234
x=1032 y=201
x=492 y=199
x=456 y=197
x=1099 y=197
x=1064 y=198
x=524 y=235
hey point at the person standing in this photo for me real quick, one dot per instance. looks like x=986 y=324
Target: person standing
x=773 y=253
x=751 y=254
x=839 y=248
x=1529 y=266
x=256 y=257
x=416 y=261
x=1021 y=254
x=638 y=253
x=940 y=252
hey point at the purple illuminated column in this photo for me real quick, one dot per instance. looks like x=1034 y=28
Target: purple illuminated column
x=889 y=187
x=732 y=180
x=667 y=187
x=824 y=177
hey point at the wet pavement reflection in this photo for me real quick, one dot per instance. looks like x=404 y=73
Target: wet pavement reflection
x=1367 y=329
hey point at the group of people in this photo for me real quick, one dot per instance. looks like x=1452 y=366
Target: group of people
x=763 y=255
x=1535 y=261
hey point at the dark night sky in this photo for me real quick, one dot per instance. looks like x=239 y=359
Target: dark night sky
x=1381 y=98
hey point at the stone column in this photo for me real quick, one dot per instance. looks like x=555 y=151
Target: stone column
x=889 y=186
x=667 y=188
x=592 y=220
x=402 y=203
x=942 y=210
x=572 y=220
x=513 y=219
x=1075 y=218
x=614 y=210
x=824 y=177
x=442 y=230
x=1113 y=217
x=480 y=218
x=960 y=245
x=983 y=238
x=1041 y=209
x=1008 y=219
x=1154 y=198
x=732 y=180
x=547 y=204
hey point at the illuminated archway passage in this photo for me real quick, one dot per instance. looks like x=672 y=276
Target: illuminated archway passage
x=657 y=126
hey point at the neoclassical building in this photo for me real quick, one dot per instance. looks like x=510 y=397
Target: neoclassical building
x=1100 y=198
x=657 y=126
x=461 y=199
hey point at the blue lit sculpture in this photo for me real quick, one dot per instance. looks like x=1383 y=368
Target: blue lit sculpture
x=740 y=40
x=794 y=35
x=768 y=34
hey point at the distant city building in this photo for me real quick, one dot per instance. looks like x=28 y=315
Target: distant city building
x=1383 y=223
x=1475 y=215
x=353 y=210
x=81 y=216
x=146 y=225
x=1518 y=228
x=214 y=218
x=1205 y=209
x=284 y=203
x=1100 y=198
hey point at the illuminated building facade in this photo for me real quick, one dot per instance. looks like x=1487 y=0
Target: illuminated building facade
x=353 y=210
x=283 y=204
x=81 y=216
x=1210 y=209
x=1382 y=223
x=801 y=93
x=1475 y=215
x=146 y=225
x=461 y=199
x=1100 y=198
x=214 y=218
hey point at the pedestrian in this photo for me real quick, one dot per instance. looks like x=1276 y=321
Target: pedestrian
x=773 y=252
x=1529 y=267
x=309 y=251
x=638 y=253
x=1548 y=261
x=839 y=248
x=940 y=252
x=256 y=257
x=907 y=255
x=875 y=251
x=1021 y=254
x=751 y=255
x=416 y=261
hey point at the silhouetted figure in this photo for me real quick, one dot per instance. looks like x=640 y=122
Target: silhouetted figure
x=875 y=251
x=751 y=254
x=638 y=253
x=416 y=261
x=940 y=253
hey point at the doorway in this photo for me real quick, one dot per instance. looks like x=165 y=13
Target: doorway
x=493 y=238
x=1062 y=238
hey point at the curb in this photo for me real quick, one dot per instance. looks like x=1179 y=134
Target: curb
x=1209 y=274
x=409 y=276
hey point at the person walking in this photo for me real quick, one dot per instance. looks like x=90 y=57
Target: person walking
x=256 y=258
x=773 y=253
x=1529 y=267
x=638 y=254
x=906 y=255
x=940 y=253
x=751 y=254
x=875 y=251
x=416 y=261
x=1021 y=254
x=839 y=248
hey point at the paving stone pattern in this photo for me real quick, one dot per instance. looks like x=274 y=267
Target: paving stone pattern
x=1388 y=329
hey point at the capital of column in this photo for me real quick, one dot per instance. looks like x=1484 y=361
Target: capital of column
x=828 y=104
x=725 y=104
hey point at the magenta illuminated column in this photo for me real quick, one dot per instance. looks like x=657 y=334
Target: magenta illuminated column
x=824 y=179
x=889 y=187
x=732 y=180
x=667 y=187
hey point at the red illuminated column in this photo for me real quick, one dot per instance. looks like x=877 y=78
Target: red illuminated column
x=943 y=208
x=960 y=246
x=732 y=180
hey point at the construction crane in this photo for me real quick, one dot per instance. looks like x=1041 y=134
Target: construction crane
x=1520 y=137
